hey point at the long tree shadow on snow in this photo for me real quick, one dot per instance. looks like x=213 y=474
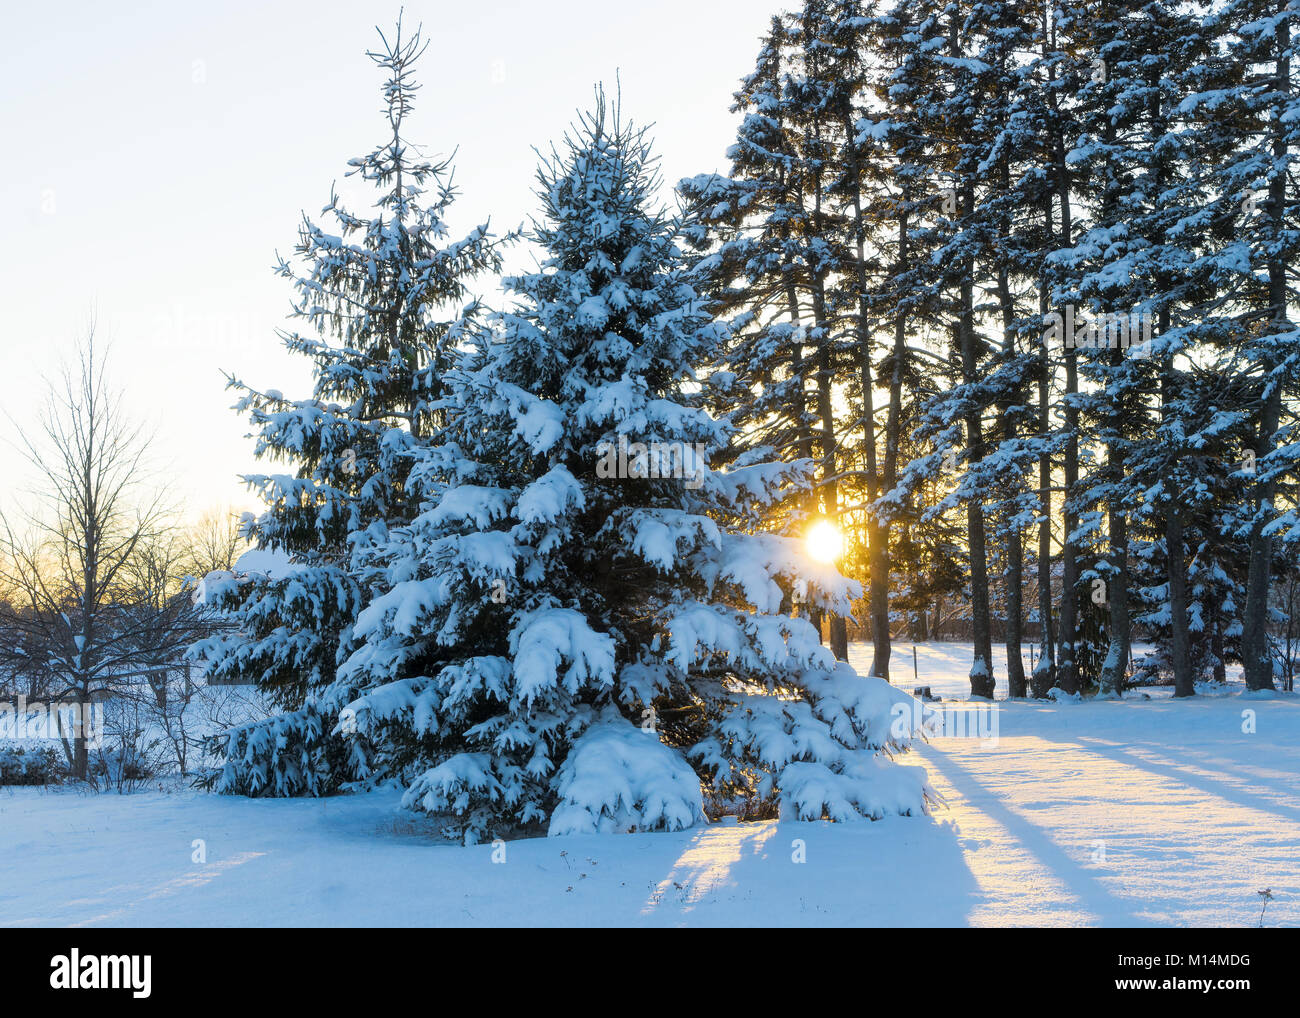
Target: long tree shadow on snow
x=1210 y=786
x=1081 y=882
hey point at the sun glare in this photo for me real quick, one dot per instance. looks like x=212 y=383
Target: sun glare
x=825 y=542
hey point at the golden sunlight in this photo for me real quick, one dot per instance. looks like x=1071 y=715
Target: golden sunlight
x=825 y=542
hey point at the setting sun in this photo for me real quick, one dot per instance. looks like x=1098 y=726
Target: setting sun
x=825 y=542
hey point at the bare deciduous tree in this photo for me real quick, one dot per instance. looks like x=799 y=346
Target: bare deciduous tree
x=215 y=543
x=71 y=558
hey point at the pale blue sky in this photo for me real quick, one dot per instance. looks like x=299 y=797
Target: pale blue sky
x=159 y=155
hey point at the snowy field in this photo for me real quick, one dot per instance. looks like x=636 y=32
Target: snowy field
x=1134 y=813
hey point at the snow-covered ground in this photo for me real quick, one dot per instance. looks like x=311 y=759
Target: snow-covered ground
x=1140 y=812
x=1117 y=813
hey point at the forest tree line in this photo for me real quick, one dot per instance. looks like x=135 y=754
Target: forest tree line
x=1018 y=279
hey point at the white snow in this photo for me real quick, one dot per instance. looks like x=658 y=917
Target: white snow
x=620 y=778
x=273 y=564
x=545 y=639
x=1128 y=812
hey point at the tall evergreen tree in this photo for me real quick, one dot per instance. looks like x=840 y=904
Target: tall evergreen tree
x=582 y=605
x=381 y=302
x=1260 y=38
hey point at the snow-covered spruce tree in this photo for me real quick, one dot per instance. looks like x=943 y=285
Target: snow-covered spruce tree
x=381 y=298
x=580 y=630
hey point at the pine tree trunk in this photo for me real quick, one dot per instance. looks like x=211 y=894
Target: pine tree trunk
x=1017 y=685
x=1114 y=668
x=1067 y=676
x=1015 y=576
x=1180 y=640
x=877 y=533
x=982 y=682
x=981 y=674
x=893 y=429
x=1067 y=669
x=893 y=432
x=839 y=638
x=1257 y=660
x=1044 y=677
x=1179 y=637
x=803 y=438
